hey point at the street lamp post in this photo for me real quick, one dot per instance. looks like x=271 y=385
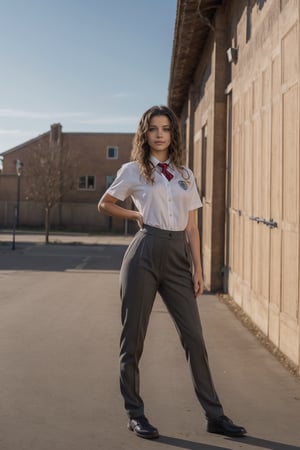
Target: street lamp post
x=19 y=168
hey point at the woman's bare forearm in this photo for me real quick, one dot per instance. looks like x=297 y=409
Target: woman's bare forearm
x=107 y=205
x=194 y=242
x=111 y=209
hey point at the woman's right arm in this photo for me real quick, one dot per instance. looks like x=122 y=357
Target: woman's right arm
x=108 y=206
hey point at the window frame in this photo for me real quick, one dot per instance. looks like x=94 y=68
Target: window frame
x=86 y=188
x=109 y=180
x=116 y=151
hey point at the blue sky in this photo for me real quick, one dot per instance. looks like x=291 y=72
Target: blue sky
x=92 y=65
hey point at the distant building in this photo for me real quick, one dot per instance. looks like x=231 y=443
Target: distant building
x=97 y=157
x=234 y=84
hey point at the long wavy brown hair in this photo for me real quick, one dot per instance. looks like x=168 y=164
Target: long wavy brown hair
x=141 y=149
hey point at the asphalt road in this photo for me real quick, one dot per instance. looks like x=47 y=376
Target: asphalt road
x=59 y=339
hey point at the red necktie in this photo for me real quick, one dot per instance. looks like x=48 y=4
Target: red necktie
x=165 y=172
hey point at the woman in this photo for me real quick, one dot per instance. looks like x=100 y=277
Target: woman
x=158 y=260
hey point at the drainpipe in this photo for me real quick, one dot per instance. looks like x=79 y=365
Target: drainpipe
x=228 y=92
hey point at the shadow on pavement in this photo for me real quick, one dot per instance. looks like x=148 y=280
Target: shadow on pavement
x=248 y=440
x=267 y=444
x=189 y=445
x=61 y=257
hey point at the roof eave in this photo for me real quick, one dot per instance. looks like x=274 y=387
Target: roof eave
x=192 y=25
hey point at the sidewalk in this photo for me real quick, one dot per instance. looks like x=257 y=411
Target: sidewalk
x=59 y=339
x=63 y=238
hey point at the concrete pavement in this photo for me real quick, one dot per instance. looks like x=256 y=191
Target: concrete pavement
x=59 y=338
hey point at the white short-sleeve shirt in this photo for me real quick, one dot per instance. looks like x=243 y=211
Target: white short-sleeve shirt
x=163 y=204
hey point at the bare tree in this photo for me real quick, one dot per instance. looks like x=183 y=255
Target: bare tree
x=50 y=175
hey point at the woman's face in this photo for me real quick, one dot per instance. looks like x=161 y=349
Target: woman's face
x=159 y=136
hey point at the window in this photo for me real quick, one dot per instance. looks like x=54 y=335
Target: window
x=87 y=183
x=112 y=152
x=109 y=180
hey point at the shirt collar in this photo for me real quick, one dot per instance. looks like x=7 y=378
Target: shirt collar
x=156 y=161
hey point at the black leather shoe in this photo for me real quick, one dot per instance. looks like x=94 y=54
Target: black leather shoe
x=224 y=425
x=142 y=428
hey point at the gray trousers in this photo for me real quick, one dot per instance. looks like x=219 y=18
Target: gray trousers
x=159 y=261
